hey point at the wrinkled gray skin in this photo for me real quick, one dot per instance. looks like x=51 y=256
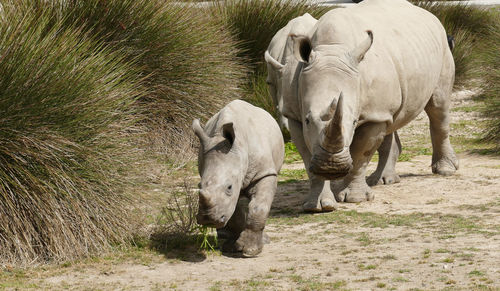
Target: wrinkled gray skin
x=368 y=71
x=283 y=72
x=241 y=153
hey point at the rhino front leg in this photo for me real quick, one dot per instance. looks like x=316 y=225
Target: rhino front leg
x=231 y=232
x=320 y=198
x=353 y=187
x=252 y=239
x=388 y=154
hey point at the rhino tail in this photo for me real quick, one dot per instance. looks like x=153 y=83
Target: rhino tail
x=451 y=42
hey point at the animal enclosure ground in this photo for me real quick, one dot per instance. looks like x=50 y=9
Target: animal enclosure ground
x=426 y=233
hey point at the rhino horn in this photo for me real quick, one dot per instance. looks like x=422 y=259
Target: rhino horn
x=359 y=52
x=200 y=133
x=204 y=200
x=333 y=140
x=274 y=63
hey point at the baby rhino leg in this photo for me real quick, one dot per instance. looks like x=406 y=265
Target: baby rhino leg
x=252 y=237
x=231 y=232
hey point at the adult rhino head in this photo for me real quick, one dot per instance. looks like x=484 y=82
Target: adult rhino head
x=283 y=68
x=221 y=162
x=330 y=90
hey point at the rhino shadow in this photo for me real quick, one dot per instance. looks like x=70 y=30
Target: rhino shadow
x=289 y=198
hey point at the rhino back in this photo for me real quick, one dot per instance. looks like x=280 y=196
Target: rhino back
x=258 y=136
x=403 y=66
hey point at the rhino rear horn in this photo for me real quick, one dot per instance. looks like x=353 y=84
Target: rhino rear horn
x=274 y=63
x=359 y=52
x=333 y=140
x=301 y=47
x=200 y=133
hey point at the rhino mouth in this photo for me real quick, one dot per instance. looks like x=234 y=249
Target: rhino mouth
x=209 y=220
x=331 y=165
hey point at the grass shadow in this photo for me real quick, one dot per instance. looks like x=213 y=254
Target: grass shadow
x=184 y=247
x=494 y=152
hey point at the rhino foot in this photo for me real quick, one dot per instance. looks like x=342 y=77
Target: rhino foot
x=250 y=243
x=384 y=179
x=355 y=193
x=445 y=166
x=324 y=203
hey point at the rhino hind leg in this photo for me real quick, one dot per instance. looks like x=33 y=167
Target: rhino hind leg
x=444 y=160
x=353 y=188
x=389 y=152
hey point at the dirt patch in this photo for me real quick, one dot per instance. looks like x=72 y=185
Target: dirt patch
x=448 y=236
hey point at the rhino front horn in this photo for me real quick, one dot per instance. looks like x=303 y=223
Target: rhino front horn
x=333 y=138
x=200 y=133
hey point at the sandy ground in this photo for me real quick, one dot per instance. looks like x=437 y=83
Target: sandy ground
x=321 y=254
x=427 y=232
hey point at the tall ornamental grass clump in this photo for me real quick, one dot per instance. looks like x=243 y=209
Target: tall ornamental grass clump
x=491 y=86
x=66 y=109
x=253 y=23
x=85 y=87
x=470 y=26
x=188 y=60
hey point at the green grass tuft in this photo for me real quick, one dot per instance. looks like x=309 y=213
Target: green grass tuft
x=87 y=87
x=67 y=116
x=490 y=61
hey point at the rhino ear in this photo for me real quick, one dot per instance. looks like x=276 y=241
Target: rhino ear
x=301 y=47
x=271 y=61
x=228 y=132
x=200 y=133
x=359 y=52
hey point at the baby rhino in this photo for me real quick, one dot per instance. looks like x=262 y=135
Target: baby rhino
x=241 y=153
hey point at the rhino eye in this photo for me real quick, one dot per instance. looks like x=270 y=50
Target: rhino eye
x=307 y=121
x=229 y=191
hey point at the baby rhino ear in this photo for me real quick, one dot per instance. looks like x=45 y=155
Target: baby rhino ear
x=200 y=133
x=228 y=132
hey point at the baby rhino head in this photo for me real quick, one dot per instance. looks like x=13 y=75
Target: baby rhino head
x=221 y=167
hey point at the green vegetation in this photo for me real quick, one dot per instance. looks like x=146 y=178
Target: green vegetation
x=470 y=26
x=291 y=153
x=88 y=88
x=446 y=226
x=476 y=273
x=67 y=118
x=490 y=62
x=254 y=22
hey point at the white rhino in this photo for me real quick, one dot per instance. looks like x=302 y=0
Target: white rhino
x=283 y=72
x=369 y=70
x=241 y=153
